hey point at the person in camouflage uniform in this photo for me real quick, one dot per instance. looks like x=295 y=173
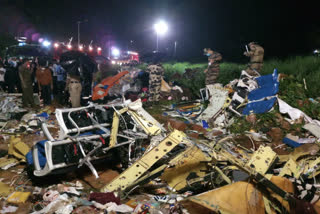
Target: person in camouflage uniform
x=156 y=72
x=213 y=70
x=256 y=59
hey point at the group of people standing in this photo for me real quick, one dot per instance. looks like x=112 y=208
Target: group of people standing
x=27 y=77
x=50 y=79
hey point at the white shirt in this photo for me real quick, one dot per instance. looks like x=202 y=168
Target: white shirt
x=2 y=72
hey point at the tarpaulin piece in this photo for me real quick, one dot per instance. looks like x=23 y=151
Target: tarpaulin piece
x=290 y=142
x=259 y=107
x=101 y=90
x=41 y=154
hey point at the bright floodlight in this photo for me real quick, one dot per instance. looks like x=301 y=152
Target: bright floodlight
x=56 y=45
x=69 y=46
x=90 y=48
x=46 y=43
x=99 y=49
x=80 y=47
x=115 y=52
x=161 y=27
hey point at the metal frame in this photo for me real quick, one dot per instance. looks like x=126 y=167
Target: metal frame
x=142 y=119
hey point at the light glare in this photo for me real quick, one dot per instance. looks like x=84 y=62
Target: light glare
x=115 y=52
x=46 y=43
x=161 y=27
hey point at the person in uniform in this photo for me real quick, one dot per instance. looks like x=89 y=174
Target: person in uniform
x=25 y=74
x=213 y=70
x=256 y=59
x=156 y=73
x=73 y=85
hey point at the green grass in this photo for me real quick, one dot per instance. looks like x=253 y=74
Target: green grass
x=300 y=67
x=228 y=72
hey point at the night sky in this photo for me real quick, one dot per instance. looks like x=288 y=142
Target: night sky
x=284 y=28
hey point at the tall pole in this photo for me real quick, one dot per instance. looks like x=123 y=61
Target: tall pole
x=175 y=48
x=79 y=33
x=157 y=42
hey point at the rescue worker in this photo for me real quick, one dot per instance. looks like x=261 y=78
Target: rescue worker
x=256 y=59
x=25 y=74
x=156 y=73
x=213 y=70
x=73 y=85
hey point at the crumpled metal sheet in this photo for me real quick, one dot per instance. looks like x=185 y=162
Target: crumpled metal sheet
x=185 y=163
x=313 y=128
x=262 y=159
x=9 y=104
x=217 y=100
x=246 y=199
x=294 y=113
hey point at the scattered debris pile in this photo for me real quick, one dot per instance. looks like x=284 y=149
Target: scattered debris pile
x=10 y=105
x=241 y=149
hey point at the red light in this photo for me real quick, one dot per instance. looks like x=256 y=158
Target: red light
x=99 y=49
x=69 y=46
x=90 y=48
x=56 y=45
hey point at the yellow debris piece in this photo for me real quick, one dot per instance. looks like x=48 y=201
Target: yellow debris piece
x=262 y=159
x=246 y=199
x=165 y=86
x=18 y=197
x=136 y=170
x=185 y=163
x=18 y=148
x=5 y=189
x=7 y=161
x=291 y=168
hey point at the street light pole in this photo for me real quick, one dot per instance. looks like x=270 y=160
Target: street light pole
x=79 y=22
x=175 y=48
x=161 y=28
x=157 y=42
x=79 y=33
